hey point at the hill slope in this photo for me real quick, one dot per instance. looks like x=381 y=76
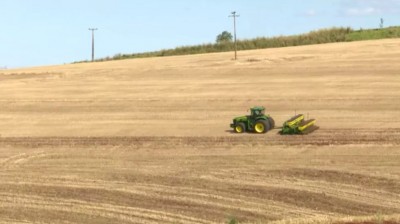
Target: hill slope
x=351 y=85
x=322 y=36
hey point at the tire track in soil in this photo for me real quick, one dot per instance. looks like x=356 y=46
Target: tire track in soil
x=180 y=209
x=320 y=138
x=17 y=160
x=377 y=194
x=111 y=211
x=334 y=176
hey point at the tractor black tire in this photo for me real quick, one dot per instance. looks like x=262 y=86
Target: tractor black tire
x=271 y=123
x=240 y=128
x=261 y=123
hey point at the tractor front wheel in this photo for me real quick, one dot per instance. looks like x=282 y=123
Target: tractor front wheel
x=261 y=127
x=240 y=128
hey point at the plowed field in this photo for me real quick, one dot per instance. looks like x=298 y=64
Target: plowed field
x=148 y=140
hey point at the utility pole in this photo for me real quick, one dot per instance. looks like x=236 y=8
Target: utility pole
x=234 y=15
x=92 y=29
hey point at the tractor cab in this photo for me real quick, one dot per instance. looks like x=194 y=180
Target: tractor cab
x=257 y=111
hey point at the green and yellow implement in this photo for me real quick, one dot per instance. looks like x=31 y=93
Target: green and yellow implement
x=297 y=125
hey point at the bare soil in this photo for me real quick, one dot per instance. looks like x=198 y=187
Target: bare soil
x=148 y=140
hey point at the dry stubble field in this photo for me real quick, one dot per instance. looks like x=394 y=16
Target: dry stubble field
x=148 y=140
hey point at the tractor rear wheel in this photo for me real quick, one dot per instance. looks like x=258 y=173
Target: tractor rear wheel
x=271 y=123
x=240 y=128
x=261 y=127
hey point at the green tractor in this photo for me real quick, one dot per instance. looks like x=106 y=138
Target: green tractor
x=257 y=122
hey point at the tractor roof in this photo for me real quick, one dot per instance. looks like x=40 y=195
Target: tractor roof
x=258 y=108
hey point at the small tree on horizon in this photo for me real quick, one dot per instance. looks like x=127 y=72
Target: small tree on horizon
x=224 y=37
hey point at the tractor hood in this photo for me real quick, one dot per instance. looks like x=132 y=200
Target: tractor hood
x=240 y=119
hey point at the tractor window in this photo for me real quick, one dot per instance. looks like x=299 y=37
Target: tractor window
x=257 y=113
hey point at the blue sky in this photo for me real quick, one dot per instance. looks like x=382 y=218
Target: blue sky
x=46 y=32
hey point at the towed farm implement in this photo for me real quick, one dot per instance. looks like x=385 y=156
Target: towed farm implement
x=259 y=122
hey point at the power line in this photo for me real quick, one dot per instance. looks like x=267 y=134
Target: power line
x=234 y=15
x=93 y=29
